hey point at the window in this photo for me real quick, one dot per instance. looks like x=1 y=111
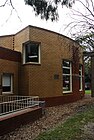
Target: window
x=67 y=76
x=80 y=78
x=31 y=52
x=7 y=83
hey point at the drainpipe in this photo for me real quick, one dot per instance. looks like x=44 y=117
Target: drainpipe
x=92 y=76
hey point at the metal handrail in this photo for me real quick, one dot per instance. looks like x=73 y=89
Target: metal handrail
x=15 y=97
x=16 y=104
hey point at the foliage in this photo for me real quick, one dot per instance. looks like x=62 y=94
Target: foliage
x=86 y=41
x=48 y=9
x=72 y=128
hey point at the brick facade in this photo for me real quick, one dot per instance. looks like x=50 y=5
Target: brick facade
x=10 y=64
x=39 y=79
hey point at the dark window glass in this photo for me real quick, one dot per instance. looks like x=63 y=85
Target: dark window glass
x=66 y=71
x=6 y=88
x=32 y=52
x=66 y=83
x=6 y=82
x=66 y=64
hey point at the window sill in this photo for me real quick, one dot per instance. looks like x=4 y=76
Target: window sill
x=67 y=92
x=7 y=93
x=31 y=63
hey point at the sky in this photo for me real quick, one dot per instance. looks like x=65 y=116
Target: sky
x=11 y=23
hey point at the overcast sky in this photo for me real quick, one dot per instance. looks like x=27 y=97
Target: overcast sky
x=10 y=23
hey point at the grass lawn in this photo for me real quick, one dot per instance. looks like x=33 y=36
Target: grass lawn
x=72 y=128
x=87 y=91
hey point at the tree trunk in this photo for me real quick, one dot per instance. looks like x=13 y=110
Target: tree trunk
x=92 y=76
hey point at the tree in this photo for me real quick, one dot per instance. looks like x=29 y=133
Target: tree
x=85 y=37
x=48 y=9
x=82 y=18
x=87 y=42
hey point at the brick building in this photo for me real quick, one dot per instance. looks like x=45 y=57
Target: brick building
x=36 y=61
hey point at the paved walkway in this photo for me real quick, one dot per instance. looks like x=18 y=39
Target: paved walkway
x=87 y=96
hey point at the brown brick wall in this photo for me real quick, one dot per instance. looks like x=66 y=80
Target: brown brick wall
x=51 y=61
x=39 y=79
x=11 y=67
x=7 y=41
x=10 y=63
x=20 y=38
x=60 y=100
x=24 y=81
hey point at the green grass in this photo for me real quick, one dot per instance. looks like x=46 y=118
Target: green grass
x=87 y=91
x=71 y=129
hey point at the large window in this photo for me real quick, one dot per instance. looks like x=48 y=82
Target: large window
x=31 y=52
x=80 y=78
x=67 y=76
x=7 y=83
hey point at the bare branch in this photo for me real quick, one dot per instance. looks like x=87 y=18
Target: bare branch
x=92 y=4
x=13 y=8
x=82 y=15
x=4 y=4
x=82 y=20
x=9 y=16
x=86 y=7
x=11 y=4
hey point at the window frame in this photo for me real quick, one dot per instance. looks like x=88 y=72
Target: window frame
x=24 y=52
x=70 y=75
x=11 y=84
x=80 y=78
